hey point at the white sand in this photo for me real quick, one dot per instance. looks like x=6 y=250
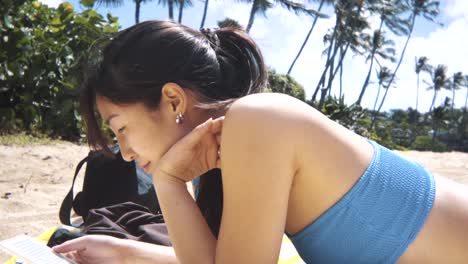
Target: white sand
x=38 y=177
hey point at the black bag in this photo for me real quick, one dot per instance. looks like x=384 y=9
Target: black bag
x=109 y=181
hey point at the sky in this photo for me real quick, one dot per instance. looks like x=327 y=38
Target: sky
x=281 y=33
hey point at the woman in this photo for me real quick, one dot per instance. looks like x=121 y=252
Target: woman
x=169 y=92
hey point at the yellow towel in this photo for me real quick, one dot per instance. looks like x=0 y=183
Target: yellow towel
x=44 y=237
x=288 y=254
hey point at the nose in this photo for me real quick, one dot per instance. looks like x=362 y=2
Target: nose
x=127 y=152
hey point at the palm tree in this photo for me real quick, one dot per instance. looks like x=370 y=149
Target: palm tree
x=429 y=9
x=457 y=82
x=346 y=33
x=439 y=115
x=322 y=2
x=182 y=5
x=117 y=3
x=421 y=64
x=439 y=81
x=465 y=84
x=465 y=109
x=261 y=6
x=383 y=75
x=229 y=22
x=377 y=46
x=205 y=10
x=170 y=7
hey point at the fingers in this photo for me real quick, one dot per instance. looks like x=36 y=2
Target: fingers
x=209 y=126
x=217 y=125
x=77 y=244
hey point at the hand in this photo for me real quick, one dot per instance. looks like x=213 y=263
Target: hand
x=92 y=249
x=194 y=154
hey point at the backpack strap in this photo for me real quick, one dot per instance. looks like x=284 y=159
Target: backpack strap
x=67 y=203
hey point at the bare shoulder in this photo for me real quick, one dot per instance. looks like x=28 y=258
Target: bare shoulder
x=279 y=118
x=264 y=125
x=270 y=110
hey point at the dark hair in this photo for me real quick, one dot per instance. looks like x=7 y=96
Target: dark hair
x=219 y=66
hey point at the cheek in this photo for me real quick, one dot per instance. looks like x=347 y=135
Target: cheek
x=153 y=143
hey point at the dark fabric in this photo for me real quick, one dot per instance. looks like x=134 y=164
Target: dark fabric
x=61 y=235
x=127 y=220
x=108 y=181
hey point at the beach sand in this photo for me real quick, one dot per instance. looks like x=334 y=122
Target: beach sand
x=35 y=179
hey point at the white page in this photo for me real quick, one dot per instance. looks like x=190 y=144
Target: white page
x=32 y=251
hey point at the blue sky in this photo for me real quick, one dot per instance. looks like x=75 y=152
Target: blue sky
x=281 y=33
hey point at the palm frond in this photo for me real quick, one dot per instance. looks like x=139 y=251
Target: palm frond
x=300 y=8
x=110 y=3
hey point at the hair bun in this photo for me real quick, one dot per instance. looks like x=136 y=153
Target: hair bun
x=212 y=37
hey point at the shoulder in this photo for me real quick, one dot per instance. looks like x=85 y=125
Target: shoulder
x=271 y=109
x=264 y=125
x=273 y=116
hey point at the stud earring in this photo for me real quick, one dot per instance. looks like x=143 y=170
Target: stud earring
x=179 y=118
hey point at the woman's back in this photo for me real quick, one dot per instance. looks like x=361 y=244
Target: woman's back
x=330 y=158
x=330 y=166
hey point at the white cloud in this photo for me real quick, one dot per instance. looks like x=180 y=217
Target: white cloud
x=52 y=3
x=457 y=9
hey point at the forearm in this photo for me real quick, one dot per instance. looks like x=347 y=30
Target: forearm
x=142 y=253
x=190 y=235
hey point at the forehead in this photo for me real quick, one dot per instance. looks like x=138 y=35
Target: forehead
x=108 y=109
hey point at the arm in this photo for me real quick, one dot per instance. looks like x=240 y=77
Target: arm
x=258 y=169
x=104 y=249
x=140 y=252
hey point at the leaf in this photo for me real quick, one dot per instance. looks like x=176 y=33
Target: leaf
x=111 y=18
x=87 y=3
x=67 y=7
x=7 y=21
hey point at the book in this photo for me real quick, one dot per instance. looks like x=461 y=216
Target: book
x=32 y=251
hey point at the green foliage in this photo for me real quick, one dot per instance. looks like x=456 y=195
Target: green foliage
x=229 y=22
x=426 y=143
x=23 y=139
x=352 y=117
x=279 y=83
x=42 y=60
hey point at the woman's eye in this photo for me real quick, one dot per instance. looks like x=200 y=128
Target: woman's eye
x=121 y=129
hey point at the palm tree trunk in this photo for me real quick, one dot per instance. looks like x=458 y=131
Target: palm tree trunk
x=433 y=101
x=466 y=100
x=401 y=57
x=463 y=123
x=340 y=62
x=205 y=10
x=170 y=4
x=374 y=118
x=417 y=94
x=306 y=39
x=137 y=11
x=181 y=10
x=377 y=98
x=366 y=82
x=453 y=99
x=252 y=15
x=341 y=72
x=327 y=64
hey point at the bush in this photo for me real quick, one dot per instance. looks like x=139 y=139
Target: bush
x=279 y=83
x=425 y=143
x=42 y=61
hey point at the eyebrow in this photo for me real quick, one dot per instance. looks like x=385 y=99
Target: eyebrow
x=107 y=121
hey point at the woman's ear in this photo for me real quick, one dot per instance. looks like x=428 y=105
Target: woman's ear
x=174 y=97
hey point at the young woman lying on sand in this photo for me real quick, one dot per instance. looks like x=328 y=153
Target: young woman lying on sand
x=182 y=102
